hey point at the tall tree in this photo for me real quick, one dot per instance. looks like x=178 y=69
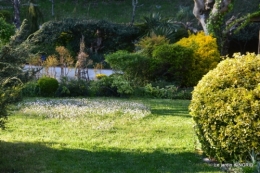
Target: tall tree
x=34 y=16
x=210 y=14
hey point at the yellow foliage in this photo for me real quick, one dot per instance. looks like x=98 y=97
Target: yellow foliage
x=64 y=56
x=99 y=76
x=148 y=44
x=206 y=54
x=51 y=61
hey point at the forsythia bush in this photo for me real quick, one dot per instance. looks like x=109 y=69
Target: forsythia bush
x=226 y=109
x=206 y=55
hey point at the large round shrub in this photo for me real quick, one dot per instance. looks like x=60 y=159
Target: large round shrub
x=226 y=109
x=48 y=86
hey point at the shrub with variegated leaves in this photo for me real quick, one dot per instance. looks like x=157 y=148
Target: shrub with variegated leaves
x=226 y=109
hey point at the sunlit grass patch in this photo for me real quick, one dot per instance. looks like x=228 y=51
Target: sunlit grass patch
x=107 y=135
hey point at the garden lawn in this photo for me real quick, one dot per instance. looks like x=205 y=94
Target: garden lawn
x=105 y=135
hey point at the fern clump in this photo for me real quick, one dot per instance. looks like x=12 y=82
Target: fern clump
x=226 y=109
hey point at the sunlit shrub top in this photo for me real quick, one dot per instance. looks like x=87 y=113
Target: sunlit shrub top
x=206 y=54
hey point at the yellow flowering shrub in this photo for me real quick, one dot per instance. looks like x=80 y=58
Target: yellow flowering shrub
x=99 y=76
x=206 y=55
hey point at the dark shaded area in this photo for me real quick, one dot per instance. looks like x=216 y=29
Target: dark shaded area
x=243 y=46
x=177 y=108
x=37 y=157
x=169 y=112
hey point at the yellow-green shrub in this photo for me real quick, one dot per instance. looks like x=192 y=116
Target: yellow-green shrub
x=226 y=109
x=148 y=44
x=206 y=55
x=99 y=76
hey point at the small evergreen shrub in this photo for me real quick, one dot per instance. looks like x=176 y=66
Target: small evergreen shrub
x=72 y=88
x=114 y=85
x=226 y=109
x=48 y=86
x=31 y=89
x=163 y=92
x=133 y=65
x=122 y=85
x=171 y=62
x=157 y=92
x=103 y=87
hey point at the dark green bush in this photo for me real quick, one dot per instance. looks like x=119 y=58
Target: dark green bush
x=48 y=86
x=9 y=93
x=168 y=62
x=226 y=109
x=103 y=87
x=133 y=65
x=163 y=92
x=31 y=89
x=171 y=62
x=7 y=30
x=114 y=85
x=123 y=86
x=73 y=88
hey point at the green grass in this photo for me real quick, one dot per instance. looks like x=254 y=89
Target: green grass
x=100 y=135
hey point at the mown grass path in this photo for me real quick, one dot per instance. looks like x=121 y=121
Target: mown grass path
x=100 y=135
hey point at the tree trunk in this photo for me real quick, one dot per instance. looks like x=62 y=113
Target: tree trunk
x=134 y=5
x=62 y=66
x=199 y=13
x=17 y=20
x=259 y=43
x=209 y=11
x=52 y=7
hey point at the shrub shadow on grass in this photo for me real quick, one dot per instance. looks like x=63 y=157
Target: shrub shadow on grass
x=171 y=112
x=38 y=157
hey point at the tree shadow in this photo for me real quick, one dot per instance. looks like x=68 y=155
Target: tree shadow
x=171 y=112
x=166 y=107
x=20 y=157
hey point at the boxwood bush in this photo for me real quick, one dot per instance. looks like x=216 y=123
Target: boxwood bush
x=48 y=86
x=226 y=109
